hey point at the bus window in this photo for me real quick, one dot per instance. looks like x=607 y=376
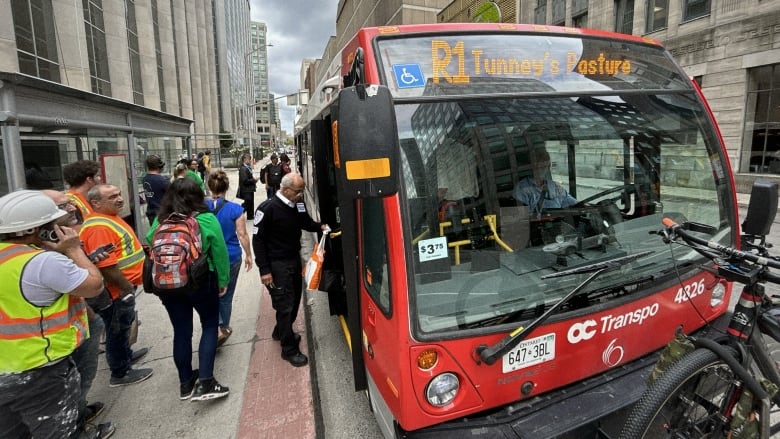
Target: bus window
x=374 y=240
x=621 y=163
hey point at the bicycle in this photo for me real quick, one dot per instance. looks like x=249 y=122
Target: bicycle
x=720 y=388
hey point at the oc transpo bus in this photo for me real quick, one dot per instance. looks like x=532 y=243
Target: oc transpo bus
x=499 y=189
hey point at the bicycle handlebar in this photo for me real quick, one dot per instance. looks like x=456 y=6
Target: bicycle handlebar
x=678 y=230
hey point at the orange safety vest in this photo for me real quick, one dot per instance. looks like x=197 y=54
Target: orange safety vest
x=79 y=201
x=128 y=251
x=30 y=335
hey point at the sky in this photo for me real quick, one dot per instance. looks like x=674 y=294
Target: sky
x=297 y=29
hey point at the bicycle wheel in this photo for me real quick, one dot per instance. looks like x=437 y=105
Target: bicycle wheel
x=692 y=399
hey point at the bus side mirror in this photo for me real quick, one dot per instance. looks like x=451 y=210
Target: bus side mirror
x=366 y=149
x=762 y=208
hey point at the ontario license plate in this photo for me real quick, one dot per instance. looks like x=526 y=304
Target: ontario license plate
x=530 y=352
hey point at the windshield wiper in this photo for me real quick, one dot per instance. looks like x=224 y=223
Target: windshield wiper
x=489 y=355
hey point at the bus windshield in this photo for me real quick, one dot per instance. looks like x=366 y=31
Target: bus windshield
x=528 y=155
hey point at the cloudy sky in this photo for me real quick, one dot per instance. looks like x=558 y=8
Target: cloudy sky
x=297 y=29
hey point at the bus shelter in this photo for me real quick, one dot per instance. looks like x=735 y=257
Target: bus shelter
x=45 y=125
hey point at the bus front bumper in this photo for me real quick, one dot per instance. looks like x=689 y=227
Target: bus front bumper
x=593 y=408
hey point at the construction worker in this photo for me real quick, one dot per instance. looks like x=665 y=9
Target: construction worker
x=43 y=319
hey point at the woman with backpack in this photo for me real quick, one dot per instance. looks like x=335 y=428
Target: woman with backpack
x=182 y=201
x=231 y=217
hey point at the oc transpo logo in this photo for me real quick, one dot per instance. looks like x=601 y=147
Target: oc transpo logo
x=581 y=331
x=587 y=329
x=613 y=354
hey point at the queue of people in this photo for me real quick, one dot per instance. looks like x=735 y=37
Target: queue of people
x=94 y=263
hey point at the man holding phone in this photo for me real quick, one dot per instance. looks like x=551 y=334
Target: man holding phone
x=122 y=271
x=44 y=286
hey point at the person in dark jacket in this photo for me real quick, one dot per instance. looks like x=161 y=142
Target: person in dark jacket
x=271 y=175
x=155 y=185
x=277 y=245
x=247 y=185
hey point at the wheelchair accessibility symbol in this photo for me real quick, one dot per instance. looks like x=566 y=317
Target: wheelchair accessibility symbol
x=408 y=75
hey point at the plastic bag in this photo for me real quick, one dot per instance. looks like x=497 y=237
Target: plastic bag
x=313 y=270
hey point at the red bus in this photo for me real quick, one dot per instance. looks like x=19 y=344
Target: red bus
x=499 y=188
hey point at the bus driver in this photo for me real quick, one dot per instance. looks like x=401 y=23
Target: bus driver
x=539 y=191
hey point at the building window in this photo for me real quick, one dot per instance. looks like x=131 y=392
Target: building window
x=624 y=16
x=540 y=12
x=657 y=15
x=693 y=9
x=580 y=20
x=761 y=139
x=97 y=55
x=36 y=44
x=158 y=54
x=559 y=12
x=133 y=52
x=178 y=94
x=579 y=6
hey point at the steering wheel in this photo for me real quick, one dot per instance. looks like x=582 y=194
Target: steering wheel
x=628 y=187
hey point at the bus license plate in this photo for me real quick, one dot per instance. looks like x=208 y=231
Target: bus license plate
x=530 y=352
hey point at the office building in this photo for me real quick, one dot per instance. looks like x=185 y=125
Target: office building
x=264 y=105
x=116 y=80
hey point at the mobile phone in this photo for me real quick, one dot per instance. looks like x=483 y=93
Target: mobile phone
x=105 y=248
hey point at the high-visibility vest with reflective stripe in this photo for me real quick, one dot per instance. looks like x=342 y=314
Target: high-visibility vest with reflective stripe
x=79 y=201
x=32 y=335
x=131 y=252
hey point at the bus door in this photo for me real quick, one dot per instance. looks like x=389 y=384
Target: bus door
x=365 y=164
x=322 y=179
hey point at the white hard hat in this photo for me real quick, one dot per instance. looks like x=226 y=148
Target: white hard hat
x=24 y=210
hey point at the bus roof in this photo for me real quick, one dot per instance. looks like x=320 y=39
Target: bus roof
x=500 y=27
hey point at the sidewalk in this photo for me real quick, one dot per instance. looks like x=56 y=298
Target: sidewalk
x=268 y=398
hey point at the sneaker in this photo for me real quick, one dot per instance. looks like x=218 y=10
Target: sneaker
x=105 y=430
x=131 y=377
x=138 y=354
x=186 y=389
x=209 y=389
x=93 y=411
x=99 y=431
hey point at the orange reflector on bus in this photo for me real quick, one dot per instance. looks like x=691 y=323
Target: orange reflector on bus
x=427 y=359
x=335 y=135
x=364 y=169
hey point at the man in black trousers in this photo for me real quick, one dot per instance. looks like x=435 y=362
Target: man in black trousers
x=277 y=246
x=247 y=185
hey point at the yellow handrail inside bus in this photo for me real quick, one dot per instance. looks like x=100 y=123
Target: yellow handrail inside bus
x=491 y=220
x=421 y=236
x=456 y=245
x=444 y=224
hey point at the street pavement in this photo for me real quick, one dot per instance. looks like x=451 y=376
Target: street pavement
x=268 y=398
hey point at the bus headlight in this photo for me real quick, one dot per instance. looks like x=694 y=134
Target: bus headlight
x=718 y=292
x=442 y=389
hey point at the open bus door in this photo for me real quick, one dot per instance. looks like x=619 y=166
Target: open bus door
x=365 y=161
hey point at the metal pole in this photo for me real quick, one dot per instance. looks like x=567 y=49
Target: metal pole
x=12 y=144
